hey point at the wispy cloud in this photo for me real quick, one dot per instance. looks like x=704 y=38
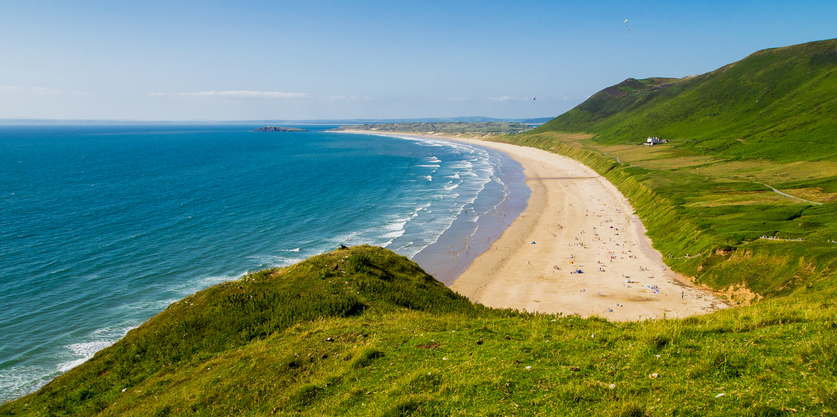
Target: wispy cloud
x=458 y=99
x=344 y=98
x=238 y=94
x=44 y=91
x=504 y=98
x=4 y=88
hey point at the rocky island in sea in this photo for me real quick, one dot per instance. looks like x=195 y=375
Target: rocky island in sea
x=279 y=129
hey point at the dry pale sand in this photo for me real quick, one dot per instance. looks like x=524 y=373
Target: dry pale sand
x=577 y=220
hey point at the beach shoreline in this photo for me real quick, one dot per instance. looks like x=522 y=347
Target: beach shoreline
x=469 y=236
x=483 y=220
x=575 y=221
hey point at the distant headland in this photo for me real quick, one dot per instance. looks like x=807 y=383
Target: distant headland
x=449 y=128
x=278 y=129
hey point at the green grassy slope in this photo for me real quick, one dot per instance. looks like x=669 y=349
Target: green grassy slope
x=225 y=317
x=778 y=104
x=735 y=134
x=363 y=331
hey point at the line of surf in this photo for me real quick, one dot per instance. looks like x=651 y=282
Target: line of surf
x=480 y=222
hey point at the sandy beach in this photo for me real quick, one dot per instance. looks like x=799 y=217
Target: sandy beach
x=578 y=248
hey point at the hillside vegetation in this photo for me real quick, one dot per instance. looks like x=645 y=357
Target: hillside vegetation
x=363 y=331
x=777 y=104
x=744 y=194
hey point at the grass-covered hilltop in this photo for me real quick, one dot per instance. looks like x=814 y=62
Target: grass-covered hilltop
x=363 y=331
x=742 y=196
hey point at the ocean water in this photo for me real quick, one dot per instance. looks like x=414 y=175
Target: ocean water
x=101 y=227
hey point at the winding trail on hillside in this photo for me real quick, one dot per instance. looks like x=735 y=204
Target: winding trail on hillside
x=791 y=196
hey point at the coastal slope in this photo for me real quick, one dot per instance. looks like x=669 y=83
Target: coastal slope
x=775 y=104
x=363 y=331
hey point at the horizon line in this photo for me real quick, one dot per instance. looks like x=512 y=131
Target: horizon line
x=242 y=121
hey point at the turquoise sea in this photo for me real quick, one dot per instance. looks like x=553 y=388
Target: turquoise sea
x=103 y=226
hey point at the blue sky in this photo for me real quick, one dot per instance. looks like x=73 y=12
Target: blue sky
x=246 y=60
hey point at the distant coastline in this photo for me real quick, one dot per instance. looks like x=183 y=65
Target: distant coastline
x=443 y=128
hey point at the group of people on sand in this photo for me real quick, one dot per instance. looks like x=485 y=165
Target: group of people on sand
x=612 y=255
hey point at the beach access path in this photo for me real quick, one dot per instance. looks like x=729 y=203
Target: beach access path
x=575 y=221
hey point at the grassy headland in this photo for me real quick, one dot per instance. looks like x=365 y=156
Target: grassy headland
x=362 y=331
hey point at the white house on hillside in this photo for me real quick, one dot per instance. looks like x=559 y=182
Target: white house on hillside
x=655 y=140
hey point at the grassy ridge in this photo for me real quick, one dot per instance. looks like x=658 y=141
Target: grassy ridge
x=226 y=317
x=707 y=197
x=776 y=104
x=385 y=339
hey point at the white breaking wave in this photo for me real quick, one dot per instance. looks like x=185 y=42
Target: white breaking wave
x=395 y=226
x=394 y=234
x=86 y=350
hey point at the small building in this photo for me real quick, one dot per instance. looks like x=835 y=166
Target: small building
x=651 y=141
